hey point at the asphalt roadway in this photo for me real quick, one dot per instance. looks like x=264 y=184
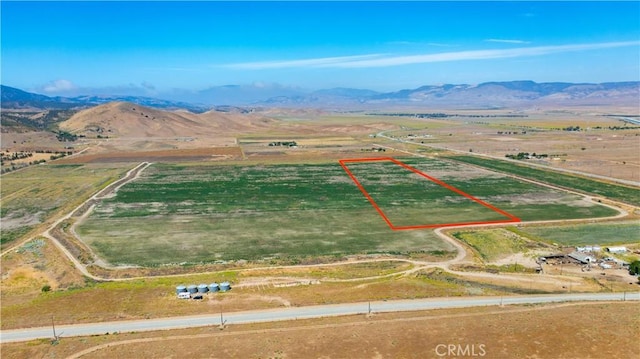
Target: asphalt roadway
x=293 y=313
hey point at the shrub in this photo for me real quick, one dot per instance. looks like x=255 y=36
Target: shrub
x=634 y=268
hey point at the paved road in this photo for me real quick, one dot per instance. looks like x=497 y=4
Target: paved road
x=294 y=313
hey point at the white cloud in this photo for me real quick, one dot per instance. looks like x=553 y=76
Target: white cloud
x=507 y=41
x=67 y=88
x=382 y=60
x=59 y=86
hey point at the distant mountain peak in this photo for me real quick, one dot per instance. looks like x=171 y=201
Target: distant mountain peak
x=487 y=94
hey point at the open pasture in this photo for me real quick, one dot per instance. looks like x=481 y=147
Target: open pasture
x=417 y=196
x=587 y=233
x=495 y=243
x=31 y=196
x=190 y=214
x=617 y=192
x=574 y=140
x=175 y=214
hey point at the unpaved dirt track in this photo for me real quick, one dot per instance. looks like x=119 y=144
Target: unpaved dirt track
x=130 y=176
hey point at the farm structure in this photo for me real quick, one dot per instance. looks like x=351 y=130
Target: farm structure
x=617 y=249
x=588 y=249
x=186 y=292
x=582 y=258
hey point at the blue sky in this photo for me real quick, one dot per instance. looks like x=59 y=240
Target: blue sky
x=152 y=48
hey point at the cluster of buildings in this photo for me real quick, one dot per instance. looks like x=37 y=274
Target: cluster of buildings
x=589 y=256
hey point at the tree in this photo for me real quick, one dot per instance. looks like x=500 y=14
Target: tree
x=634 y=267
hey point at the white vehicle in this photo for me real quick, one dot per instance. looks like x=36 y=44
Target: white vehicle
x=184 y=295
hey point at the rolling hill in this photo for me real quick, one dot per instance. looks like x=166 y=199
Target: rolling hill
x=125 y=119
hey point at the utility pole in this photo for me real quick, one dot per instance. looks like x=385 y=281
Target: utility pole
x=56 y=339
x=222 y=321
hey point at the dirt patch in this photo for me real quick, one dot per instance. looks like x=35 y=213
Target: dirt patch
x=504 y=139
x=521 y=259
x=19 y=219
x=178 y=155
x=26 y=271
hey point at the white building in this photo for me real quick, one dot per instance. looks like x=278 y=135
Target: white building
x=588 y=249
x=618 y=249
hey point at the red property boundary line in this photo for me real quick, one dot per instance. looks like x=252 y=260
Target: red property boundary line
x=511 y=218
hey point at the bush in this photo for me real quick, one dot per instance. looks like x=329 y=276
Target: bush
x=46 y=288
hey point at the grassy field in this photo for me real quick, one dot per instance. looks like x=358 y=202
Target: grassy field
x=586 y=234
x=344 y=271
x=179 y=214
x=32 y=195
x=525 y=200
x=192 y=214
x=493 y=244
x=409 y=199
x=616 y=192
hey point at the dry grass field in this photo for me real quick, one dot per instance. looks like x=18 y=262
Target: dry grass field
x=601 y=330
x=604 y=145
x=211 y=154
x=34 y=197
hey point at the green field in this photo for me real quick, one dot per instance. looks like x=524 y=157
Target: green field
x=615 y=192
x=192 y=214
x=32 y=195
x=175 y=214
x=409 y=199
x=587 y=234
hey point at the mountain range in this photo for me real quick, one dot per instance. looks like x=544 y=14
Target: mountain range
x=234 y=97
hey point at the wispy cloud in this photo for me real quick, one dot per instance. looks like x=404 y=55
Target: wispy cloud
x=319 y=62
x=507 y=41
x=386 y=60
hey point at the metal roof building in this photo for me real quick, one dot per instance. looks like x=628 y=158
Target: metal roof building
x=582 y=258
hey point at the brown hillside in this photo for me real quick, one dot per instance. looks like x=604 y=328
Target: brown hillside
x=123 y=119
